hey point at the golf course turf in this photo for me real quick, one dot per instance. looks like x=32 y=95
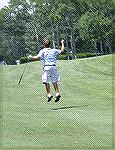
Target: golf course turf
x=82 y=119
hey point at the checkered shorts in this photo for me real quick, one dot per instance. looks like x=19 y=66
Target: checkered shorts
x=50 y=74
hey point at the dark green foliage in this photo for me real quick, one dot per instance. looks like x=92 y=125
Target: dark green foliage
x=77 y=55
x=23 y=60
x=62 y=57
x=83 y=24
x=85 y=54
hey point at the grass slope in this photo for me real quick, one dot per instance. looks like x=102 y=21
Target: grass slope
x=81 y=120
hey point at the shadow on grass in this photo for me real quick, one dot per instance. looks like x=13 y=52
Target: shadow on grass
x=69 y=107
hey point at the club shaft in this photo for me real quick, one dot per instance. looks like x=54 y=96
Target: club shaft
x=22 y=73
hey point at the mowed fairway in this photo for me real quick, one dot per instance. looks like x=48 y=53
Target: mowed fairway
x=82 y=119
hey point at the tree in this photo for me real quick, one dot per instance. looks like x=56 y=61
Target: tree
x=1 y=36
x=83 y=24
x=95 y=24
x=15 y=18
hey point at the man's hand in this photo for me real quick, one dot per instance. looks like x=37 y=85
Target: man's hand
x=33 y=57
x=30 y=57
x=62 y=41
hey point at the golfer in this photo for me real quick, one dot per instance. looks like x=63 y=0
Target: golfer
x=48 y=56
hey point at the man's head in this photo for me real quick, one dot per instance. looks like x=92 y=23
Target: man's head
x=47 y=43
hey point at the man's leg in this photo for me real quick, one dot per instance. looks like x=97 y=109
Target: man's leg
x=47 y=86
x=56 y=91
x=45 y=78
x=56 y=88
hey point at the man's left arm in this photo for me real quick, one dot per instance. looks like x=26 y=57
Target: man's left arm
x=37 y=57
x=34 y=57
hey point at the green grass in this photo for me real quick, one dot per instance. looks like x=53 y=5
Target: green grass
x=81 y=120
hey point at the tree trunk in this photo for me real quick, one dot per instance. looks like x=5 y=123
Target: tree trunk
x=53 y=37
x=72 y=44
x=66 y=38
x=57 y=36
x=71 y=41
x=101 y=47
x=35 y=29
x=95 y=45
x=109 y=45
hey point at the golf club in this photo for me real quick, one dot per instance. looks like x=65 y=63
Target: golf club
x=23 y=72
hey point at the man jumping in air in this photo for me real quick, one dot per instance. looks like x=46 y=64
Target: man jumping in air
x=48 y=56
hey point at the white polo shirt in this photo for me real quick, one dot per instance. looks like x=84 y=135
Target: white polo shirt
x=48 y=56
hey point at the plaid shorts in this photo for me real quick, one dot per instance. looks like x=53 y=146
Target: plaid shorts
x=50 y=74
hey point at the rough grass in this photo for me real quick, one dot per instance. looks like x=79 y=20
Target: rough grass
x=81 y=120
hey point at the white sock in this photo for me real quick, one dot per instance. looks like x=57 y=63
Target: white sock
x=57 y=94
x=49 y=95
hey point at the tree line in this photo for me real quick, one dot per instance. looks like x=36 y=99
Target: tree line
x=86 y=26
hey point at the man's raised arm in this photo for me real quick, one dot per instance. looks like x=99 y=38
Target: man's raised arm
x=62 y=47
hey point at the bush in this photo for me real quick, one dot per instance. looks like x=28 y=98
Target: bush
x=23 y=60
x=85 y=54
x=62 y=57
x=66 y=56
x=81 y=55
x=77 y=55
x=88 y=54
